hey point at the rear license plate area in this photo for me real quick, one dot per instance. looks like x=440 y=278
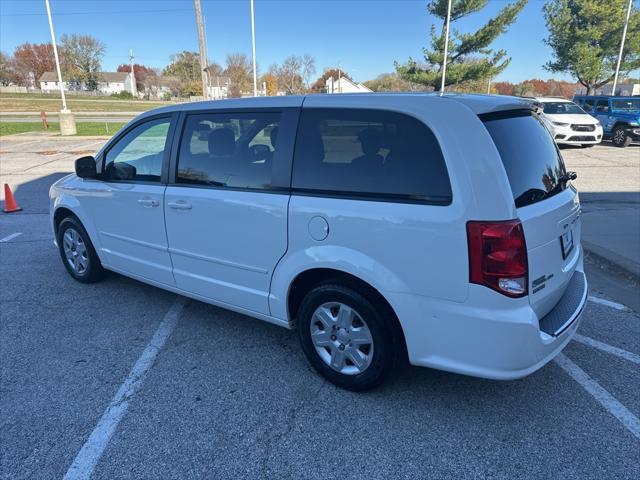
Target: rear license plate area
x=566 y=243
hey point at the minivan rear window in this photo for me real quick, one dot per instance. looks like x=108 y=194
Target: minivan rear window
x=529 y=154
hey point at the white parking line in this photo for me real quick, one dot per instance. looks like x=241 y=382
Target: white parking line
x=607 y=303
x=10 y=237
x=608 y=401
x=86 y=460
x=618 y=352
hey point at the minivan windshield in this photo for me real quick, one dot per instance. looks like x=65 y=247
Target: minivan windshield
x=529 y=154
x=559 y=108
x=626 y=104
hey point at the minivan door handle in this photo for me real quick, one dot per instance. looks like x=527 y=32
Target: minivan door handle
x=180 y=205
x=148 y=202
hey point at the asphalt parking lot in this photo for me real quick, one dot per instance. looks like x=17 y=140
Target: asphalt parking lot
x=123 y=380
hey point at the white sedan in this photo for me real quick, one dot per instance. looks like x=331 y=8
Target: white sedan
x=568 y=123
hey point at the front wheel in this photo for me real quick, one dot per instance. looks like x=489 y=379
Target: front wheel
x=345 y=337
x=77 y=252
x=620 y=137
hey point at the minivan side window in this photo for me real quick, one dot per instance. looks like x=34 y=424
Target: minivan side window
x=228 y=149
x=369 y=153
x=138 y=155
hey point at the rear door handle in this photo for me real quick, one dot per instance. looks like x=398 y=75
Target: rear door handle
x=180 y=205
x=148 y=202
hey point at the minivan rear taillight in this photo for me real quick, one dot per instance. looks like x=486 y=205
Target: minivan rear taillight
x=498 y=256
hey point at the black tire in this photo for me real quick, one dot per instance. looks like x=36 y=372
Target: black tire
x=620 y=137
x=385 y=350
x=93 y=272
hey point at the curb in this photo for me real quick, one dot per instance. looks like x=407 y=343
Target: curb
x=612 y=262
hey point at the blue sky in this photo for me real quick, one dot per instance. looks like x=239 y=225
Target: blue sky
x=364 y=36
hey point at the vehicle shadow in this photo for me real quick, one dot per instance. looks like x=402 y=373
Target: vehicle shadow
x=33 y=196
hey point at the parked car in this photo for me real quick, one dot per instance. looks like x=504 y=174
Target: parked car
x=568 y=123
x=619 y=116
x=361 y=220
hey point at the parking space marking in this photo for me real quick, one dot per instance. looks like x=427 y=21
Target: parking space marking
x=86 y=460
x=10 y=237
x=618 y=352
x=608 y=401
x=607 y=303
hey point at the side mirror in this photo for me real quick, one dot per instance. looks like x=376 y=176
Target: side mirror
x=86 y=167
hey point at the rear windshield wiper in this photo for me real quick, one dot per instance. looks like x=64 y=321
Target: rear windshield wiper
x=567 y=177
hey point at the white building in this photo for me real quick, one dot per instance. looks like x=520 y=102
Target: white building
x=622 y=89
x=108 y=83
x=219 y=87
x=344 y=85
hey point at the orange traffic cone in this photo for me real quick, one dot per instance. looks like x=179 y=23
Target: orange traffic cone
x=10 y=204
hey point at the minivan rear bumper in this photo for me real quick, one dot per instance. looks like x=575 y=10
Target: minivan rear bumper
x=496 y=342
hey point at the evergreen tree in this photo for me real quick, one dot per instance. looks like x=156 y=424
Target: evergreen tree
x=585 y=37
x=469 y=57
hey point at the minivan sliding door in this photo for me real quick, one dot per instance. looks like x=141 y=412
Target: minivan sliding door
x=226 y=205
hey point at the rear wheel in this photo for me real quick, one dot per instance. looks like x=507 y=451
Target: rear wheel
x=620 y=137
x=345 y=337
x=77 y=252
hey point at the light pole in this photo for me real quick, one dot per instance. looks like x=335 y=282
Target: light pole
x=253 y=46
x=67 y=122
x=624 y=37
x=446 y=48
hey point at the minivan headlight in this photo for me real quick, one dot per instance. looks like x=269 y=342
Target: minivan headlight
x=560 y=124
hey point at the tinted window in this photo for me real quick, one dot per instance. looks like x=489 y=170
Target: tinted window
x=139 y=154
x=530 y=157
x=626 y=104
x=228 y=149
x=369 y=152
x=602 y=106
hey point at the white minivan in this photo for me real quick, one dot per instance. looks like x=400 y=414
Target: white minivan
x=367 y=222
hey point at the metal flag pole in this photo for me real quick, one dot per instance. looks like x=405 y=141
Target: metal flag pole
x=67 y=121
x=253 y=45
x=446 y=48
x=624 y=37
x=55 y=55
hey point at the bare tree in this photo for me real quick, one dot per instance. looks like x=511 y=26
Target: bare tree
x=240 y=71
x=289 y=75
x=82 y=58
x=308 y=68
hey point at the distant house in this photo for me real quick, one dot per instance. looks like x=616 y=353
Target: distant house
x=158 y=88
x=344 y=85
x=108 y=83
x=219 y=87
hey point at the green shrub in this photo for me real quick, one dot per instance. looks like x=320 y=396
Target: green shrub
x=124 y=95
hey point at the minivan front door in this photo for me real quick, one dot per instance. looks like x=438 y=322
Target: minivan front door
x=127 y=205
x=226 y=220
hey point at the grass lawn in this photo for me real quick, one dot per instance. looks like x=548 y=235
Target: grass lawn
x=38 y=102
x=84 y=128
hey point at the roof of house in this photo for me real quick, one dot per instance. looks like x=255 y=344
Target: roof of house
x=102 y=77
